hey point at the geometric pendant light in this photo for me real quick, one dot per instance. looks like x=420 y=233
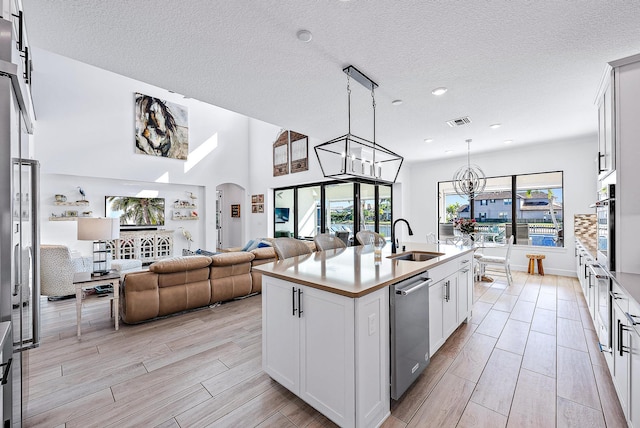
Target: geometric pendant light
x=469 y=180
x=353 y=158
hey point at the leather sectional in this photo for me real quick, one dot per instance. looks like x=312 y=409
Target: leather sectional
x=183 y=283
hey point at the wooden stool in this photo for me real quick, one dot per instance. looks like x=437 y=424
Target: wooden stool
x=539 y=258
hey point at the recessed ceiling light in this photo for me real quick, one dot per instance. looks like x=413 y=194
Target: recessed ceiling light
x=396 y=102
x=448 y=151
x=508 y=141
x=304 y=36
x=439 y=91
x=495 y=126
x=428 y=140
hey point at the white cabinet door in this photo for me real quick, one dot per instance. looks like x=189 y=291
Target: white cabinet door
x=464 y=293
x=450 y=306
x=606 y=146
x=281 y=333
x=634 y=379
x=443 y=311
x=436 y=299
x=327 y=355
x=620 y=373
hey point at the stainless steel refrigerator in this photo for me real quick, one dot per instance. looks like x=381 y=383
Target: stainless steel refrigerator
x=19 y=222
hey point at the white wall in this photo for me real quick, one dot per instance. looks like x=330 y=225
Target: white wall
x=85 y=128
x=65 y=232
x=575 y=157
x=262 y=135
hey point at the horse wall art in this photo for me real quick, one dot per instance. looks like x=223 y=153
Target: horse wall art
x=162 y=128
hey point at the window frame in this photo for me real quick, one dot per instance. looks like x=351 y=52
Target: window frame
x=356 y=200
x=514 y=207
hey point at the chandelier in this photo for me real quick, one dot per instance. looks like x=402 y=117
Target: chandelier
x=469 y=180
x=353 y=158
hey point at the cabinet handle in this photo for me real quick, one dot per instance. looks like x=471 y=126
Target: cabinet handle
x=603 y=349
x=615 y=295
x=299 y=303
x=446 y=291
x=631 y=318
x=600 y=156
x=621 y=348
x=293 y=300
x=465 y=270
x=465 y=261
x=6 y=371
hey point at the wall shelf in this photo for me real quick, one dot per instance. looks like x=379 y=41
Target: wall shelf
x=72 y=204
x=185 y=206
x=67 y=218
x=185 y=217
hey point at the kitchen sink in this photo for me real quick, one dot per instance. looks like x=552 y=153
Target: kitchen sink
x=416 y=256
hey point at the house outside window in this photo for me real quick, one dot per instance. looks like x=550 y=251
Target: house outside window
x=535 y=219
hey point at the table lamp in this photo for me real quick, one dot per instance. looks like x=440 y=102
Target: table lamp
x=98 y=230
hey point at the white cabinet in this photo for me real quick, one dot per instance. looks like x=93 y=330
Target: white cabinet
x=465 y=291
x=449 y=299
x=311 y=341
x=145 y=245
x=606 y=147
x=634 y=377
x=620 y=372
x=280 y=356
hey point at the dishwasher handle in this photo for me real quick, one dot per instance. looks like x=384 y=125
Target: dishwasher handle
x=414 y=286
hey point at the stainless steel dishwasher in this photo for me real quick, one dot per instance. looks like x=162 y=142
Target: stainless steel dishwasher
x=409 y=323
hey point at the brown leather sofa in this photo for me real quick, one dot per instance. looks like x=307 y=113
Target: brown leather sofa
x=179 y=284
x=182 y=283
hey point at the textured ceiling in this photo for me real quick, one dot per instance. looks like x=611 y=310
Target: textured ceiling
x=533 y=66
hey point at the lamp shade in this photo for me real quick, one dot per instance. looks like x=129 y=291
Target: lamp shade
x=98 y=228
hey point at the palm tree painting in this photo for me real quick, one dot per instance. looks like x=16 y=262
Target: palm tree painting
x=134 y=211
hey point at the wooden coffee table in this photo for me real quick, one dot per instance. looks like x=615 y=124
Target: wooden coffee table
x=84 y=279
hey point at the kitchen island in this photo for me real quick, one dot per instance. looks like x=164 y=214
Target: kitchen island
x=325 y=323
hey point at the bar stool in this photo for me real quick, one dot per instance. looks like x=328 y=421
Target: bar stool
x=532 y=257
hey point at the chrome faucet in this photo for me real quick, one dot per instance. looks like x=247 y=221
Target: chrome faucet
x=393 y=233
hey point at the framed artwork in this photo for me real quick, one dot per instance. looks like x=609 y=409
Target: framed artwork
x=299 y=146
x=162 y=128
x=260 y=208
x=254 y=208
x=281 y=154
x=235 y=210
x=254 y=199
x=260 y=198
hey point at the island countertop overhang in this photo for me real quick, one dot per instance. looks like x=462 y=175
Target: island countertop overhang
x=353 y=272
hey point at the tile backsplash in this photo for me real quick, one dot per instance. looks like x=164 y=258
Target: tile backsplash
x=585 y=229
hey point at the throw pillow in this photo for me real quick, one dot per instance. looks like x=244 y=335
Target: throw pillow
x=206 y=253
x=248 y=245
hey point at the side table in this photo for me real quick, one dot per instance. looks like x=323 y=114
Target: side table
x=84 y=279
x=532 y=257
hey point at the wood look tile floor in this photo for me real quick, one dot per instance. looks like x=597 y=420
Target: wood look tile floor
x=528 y=358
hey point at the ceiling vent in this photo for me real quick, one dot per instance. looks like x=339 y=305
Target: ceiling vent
x=459 y=121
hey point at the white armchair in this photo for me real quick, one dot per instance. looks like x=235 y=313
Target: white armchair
x=57 y=268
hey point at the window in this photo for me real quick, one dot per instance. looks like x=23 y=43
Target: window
x=536 y=217
x=332 y=207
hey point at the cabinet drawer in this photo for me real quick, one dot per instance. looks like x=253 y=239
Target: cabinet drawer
x=450 y=267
